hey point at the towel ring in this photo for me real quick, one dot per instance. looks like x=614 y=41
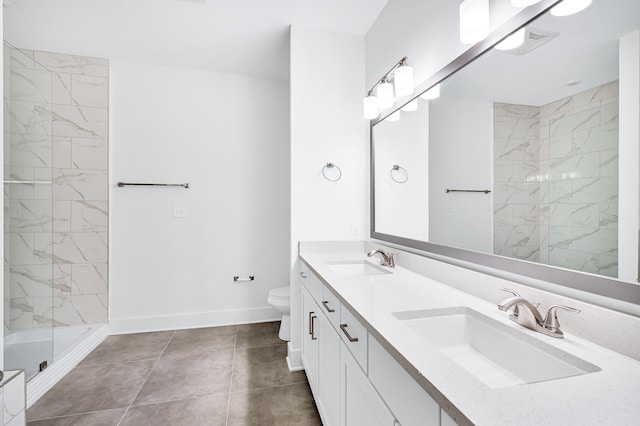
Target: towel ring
x=401 y=171
x=331 y=166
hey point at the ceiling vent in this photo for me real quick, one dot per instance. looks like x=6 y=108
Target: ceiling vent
x=534 y=38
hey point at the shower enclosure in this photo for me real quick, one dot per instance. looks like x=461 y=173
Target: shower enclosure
x=28 y=214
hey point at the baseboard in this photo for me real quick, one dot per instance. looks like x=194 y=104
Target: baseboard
x=45 y=380
x=192 y=320
x=294 y=358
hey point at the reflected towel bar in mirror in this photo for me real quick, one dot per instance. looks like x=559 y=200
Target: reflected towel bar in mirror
x=399 y=174
x=486 y=191
x=183 y=185
x=236 y=278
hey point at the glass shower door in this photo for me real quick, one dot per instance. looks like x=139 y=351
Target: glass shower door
x=28 y=213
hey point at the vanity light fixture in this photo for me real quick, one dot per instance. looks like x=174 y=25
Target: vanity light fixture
x=474 y=21
x=569 y=7
x=400 y=76
x=523 y=3
x=432 y=93
x=411 y=106
x=511 y=42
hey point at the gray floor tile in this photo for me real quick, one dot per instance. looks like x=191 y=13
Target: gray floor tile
x=263 y=367
x=178 y=378
x=209 y=410
x=129 y=347
x=282 y=405
x=201 y=340
x=99 y=418
x=258 y=335
x=92 y=388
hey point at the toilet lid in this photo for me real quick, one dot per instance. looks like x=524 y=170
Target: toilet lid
x=280 y=293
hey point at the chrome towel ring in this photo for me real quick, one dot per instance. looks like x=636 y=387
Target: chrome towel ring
x=331 y=166
x=399 y=174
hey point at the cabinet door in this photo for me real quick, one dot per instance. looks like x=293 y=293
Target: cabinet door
x=310 y=340
x=329 y=373
x=360 y=404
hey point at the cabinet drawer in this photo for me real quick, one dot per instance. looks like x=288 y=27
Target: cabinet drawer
x=314 y=285
x=354 y=335
x=304 y=273
x=331 y=307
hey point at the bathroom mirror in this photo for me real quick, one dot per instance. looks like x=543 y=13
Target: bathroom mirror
x=516 y=165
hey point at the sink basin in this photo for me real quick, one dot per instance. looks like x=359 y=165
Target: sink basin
x=494 y=353
x=356 y=267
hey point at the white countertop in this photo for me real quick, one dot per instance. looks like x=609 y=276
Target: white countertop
x=608 y=397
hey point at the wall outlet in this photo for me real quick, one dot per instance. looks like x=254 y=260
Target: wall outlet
x=179 y=212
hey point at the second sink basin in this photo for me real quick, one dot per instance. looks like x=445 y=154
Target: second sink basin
x=494 y=353
x=356 y=267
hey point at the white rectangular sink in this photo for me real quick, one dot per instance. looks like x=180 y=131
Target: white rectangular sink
x=494 y=353
x=356 y=267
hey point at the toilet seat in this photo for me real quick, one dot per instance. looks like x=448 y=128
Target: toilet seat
x=280 y=294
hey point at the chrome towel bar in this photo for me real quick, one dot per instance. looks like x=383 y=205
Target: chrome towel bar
x=183 y=185
x=238 y=279
x=486 y=191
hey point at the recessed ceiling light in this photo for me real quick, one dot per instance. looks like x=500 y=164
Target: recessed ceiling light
x=573 y=82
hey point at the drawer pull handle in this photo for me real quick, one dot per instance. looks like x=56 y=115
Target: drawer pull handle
x=303 y=275
x=311 y=322
x=343 y=327
x=326 y=306
x=313 y=329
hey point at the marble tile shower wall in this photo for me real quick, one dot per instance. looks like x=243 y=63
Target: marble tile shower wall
x=556 y=181
x=74 y=236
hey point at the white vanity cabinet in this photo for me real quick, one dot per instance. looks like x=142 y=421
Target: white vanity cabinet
x=310 y=333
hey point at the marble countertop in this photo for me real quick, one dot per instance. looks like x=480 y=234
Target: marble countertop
x=609 y=396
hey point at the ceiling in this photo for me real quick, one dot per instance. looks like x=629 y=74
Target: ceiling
x=236 y=36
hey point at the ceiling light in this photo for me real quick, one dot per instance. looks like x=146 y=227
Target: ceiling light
x=370 y=104
x=569 y=7
x=511 y=42
x=474 y=21
x=432 y=93
x=385 y=95
x=394 y=117
x=523 y=3
x=411 y=106
x=403 y=79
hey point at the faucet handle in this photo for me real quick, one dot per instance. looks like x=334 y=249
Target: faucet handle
x=551 y=320
x=515 y=308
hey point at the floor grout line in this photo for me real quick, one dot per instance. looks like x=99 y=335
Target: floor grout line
x=233 y=364
x=146 y=378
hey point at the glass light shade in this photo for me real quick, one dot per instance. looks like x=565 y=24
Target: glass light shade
x=474 y=21
x=569 y=7
x=385 y=95
x=403 y=80
x=523 y=3
x=370 y=104
x=394 y=117
x=514 y=40
x=432 y=93
x=411 y=106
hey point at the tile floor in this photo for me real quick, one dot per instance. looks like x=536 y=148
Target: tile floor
x=234 y=375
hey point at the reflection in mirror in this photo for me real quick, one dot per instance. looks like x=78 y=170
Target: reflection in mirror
x=539 y=126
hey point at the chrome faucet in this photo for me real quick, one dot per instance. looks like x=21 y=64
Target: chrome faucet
x=531 y=318
x=386 y=259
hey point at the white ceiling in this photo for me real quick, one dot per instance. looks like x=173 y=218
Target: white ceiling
x=236 y=36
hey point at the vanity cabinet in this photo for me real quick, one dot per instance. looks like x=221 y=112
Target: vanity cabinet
x=310 y=333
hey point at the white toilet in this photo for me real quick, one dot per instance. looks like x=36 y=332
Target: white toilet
x=279 y=299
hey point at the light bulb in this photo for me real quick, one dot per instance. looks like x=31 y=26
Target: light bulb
x=385 y=95
x=411 y=106
x=523 y=3
x=569 y=7
x=403 y=80
x=514 y=40
x=432 y=93
x=394 y=117
x=474 y=21
x=370 y=104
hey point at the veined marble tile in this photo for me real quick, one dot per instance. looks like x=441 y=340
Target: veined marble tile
x=609 y=114
x=525 y=171
x=515 y=149
x=30 y=86
x=576 y=215
x=21 y=58
x=43 y=191
x=544 y=150
x=502 y=171
x=560 y=191
x=22 y=117
x=600 y=241
x=596 y=94
x=61 y=216
x=61 y=152
x=22 y=248
x=560 y=237
x=526 y=214
x=31 y=150
x=515 y=236
x=89 y=216
x=502 y=214
x=70 y=120
x=516 y=128
x=511 y=193
x=75 y=310
x=530 y=253
x=544 y=255
x=560 y=147
x=20 y=313
x=44 y=312
x=574 y=122
x=545 y=213
x=61 y=279
x=58 y=62
x=90 y=154
x=600 y=190
x=43 y=247
x=89 y=279
x=18 y=191
x=43 y=122
x=608 y=266
x=608 y=215
x=80 y=247
x=31 y=280
x=602 y=138
x=561 y=105
x=90 y=91
x=609 y=163
x=77 y=184
x=575 y=260
x=576 y=167
x=36 y=216
x=513 y=110
x=503 y=251
x=61 y=88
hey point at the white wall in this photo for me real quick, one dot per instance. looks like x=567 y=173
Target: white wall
x=629 y=155
x=2 y=210
x=327 y=72
x=461 y=157
x=227 y=135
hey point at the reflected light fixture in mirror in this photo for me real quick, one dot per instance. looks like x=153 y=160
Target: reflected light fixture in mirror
x=523 y=3
x=474 y=21
x=411 y=106
x=394 y=117
x=569 y=7
x=514 y=40
x=432 y=93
